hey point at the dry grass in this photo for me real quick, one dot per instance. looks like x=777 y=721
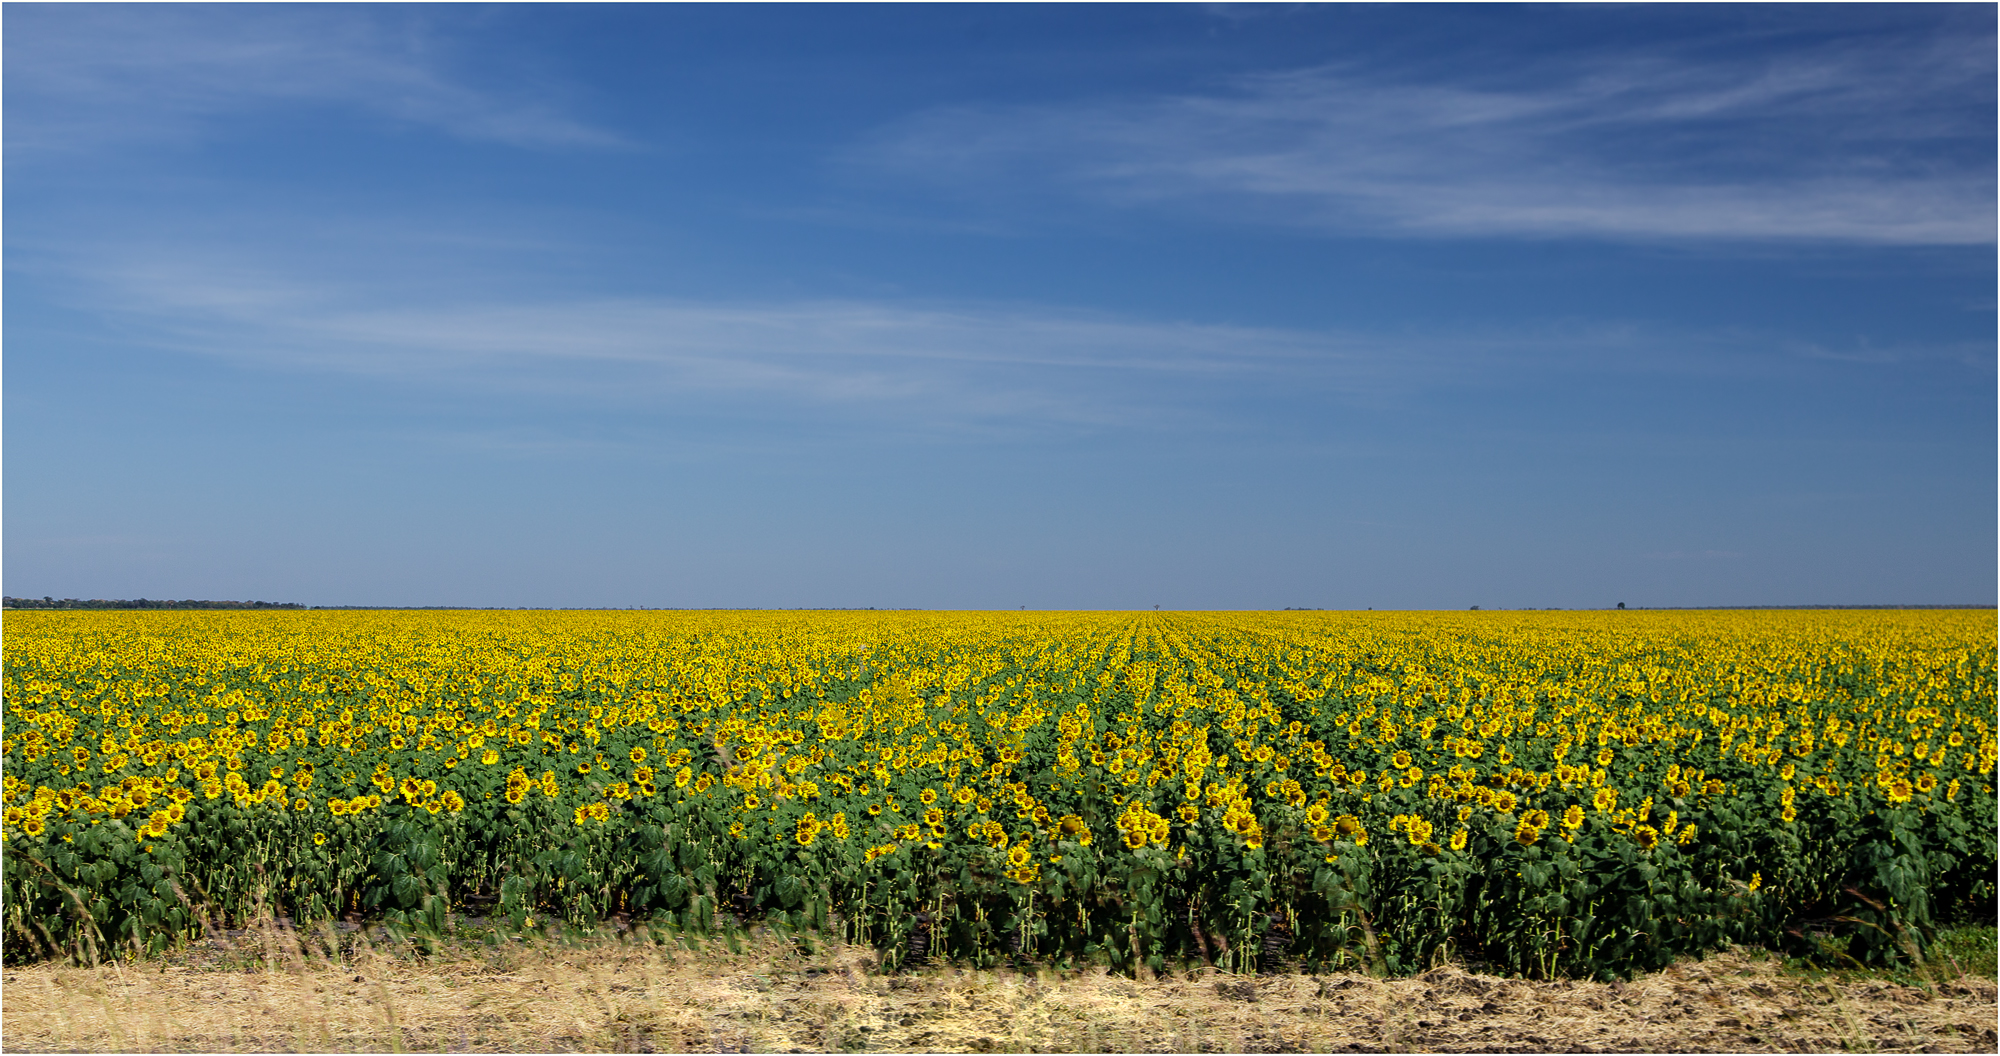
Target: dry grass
x=635 y=996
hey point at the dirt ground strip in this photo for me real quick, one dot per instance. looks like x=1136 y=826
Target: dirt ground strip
x=637 y=997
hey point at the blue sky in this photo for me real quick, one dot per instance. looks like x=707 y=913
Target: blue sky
x=989 y=307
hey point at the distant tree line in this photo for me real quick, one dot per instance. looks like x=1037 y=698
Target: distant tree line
x=140 y=603
x=1684 y=608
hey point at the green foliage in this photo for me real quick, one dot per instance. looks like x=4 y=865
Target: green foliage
x=1141 y=801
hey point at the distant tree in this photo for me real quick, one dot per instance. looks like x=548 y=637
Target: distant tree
x=141 y=603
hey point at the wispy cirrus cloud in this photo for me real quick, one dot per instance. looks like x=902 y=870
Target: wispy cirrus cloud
x=977 y=365
x=922 y=365
x=1885 y=143
x=105 y=75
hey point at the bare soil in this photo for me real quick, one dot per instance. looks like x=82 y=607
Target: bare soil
x=635 y=996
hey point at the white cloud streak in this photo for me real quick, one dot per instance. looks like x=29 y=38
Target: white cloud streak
x=979 y=365
x=965 y=366
x=1885 y=146
x=92 y=76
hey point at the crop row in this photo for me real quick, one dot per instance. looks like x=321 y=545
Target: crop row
x=1549 y=794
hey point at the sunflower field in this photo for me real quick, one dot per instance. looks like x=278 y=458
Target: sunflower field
x=1550 y=794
